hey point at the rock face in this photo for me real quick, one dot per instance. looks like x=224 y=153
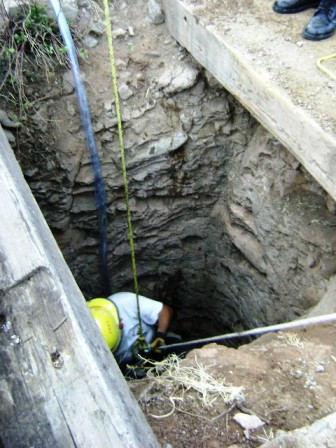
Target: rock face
x=320 y=434
x=229 y=228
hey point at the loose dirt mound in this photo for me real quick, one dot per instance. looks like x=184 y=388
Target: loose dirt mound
x=287 y=381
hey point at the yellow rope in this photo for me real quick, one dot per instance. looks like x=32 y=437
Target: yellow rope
x=141 y=343
x=325 y=69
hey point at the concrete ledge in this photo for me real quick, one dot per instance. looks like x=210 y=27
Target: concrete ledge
x=222 y=36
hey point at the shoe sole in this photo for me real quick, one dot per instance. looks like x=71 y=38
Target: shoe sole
x=317 y=37
x=294 y=10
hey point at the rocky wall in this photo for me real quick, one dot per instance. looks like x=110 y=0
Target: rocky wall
x=229 y=228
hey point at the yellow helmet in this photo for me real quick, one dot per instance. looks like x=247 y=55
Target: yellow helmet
x=105 y=314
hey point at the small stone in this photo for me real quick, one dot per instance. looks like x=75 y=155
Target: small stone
x=56 y=359
x=97 y=28
x=298 y=374
x=5 y=327
x=68 y=83
x=99 y=126
x=10 y=136
x=164 y=80
x=182 y=80
x=108 y=106
x=248 y=421
x=110 y=122
x=90 y=41
x=311 y=261
x=320 y=368
x=15 y=340
x=157 y=95
x=125 y=92
x=74 y=128
x=31 y=172
x=120 y=63
x=119 y=32
x=331 y=205
x=106 y=136
x=310 y=384
x=50 y=165
x=156 y=14
x=140 y=177
x=70 y=109
x=5 y=121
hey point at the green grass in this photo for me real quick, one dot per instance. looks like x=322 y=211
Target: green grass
x=31 y=51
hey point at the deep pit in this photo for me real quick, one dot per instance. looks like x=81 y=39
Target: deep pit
x=230 y=230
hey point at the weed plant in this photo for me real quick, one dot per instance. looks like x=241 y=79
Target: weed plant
x=31 y=51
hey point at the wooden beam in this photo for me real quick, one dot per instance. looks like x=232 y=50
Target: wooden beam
x=252 y=84
x=59 y=384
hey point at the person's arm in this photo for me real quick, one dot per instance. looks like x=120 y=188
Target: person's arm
x=164 y=319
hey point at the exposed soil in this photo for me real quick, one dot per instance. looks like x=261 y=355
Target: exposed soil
x=288 y=381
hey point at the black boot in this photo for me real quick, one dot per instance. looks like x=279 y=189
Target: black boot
x=293 y=6
x=323 y=22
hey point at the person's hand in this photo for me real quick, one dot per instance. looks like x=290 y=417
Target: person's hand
x=159 y=340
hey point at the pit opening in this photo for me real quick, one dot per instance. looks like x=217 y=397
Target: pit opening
x=230 y=229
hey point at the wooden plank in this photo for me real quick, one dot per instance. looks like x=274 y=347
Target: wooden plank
x=59 y=383
x=269 y=103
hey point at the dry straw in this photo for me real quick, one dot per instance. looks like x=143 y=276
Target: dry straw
x=172 y=374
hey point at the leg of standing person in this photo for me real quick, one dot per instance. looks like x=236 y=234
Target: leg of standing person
x=294 y=6
x=323 y=23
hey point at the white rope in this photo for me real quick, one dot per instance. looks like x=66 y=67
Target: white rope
x=296 y=324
